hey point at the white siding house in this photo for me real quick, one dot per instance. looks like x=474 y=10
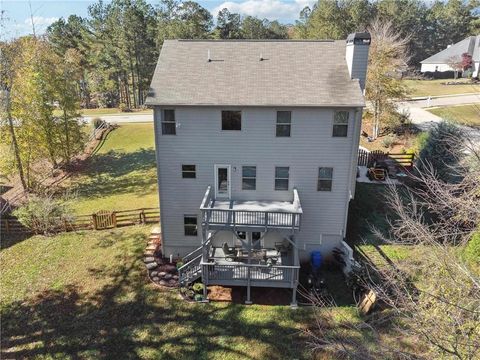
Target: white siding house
x=441 y=60
x=256 y=145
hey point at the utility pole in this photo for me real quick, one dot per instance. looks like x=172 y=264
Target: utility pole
x=31 y=18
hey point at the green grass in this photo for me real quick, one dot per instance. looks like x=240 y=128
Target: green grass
x=462 y=114
x=112 y=111
x=122 y=175
x=86 y=295
x=435 y=87
x=368 y=209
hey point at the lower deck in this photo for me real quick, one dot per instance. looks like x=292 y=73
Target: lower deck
x=264 y=267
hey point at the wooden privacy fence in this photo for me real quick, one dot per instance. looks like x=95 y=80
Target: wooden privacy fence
x=98 y=221
x=367 y=158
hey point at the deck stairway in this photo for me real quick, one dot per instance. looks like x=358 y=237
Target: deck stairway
x=191 y=270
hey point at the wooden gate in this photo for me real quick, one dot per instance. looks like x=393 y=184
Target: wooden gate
x=104 y=220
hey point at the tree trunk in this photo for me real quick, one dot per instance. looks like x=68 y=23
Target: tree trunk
x=134 y=88
x=16 y=150
x=67 y=136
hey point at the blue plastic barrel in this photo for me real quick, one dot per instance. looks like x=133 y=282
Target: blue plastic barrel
x=316 y=259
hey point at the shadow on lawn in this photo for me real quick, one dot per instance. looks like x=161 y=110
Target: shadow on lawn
x=118 y=172
x=128 y=318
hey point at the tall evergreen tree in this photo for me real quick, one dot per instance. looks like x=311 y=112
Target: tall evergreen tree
x=229 y=25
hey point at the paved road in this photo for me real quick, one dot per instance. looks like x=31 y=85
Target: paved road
x=444 y=101
x=118 y=119
x=425 y=120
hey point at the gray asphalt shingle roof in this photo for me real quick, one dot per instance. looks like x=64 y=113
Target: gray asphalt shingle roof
x=293 y=73
x=470 y=45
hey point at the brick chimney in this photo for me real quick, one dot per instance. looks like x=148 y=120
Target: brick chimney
x=357 y=56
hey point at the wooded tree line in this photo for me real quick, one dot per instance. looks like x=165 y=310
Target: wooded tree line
x=39 y=125
x=117 y=45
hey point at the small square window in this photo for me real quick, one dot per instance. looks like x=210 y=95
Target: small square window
x=281 y=178
x=325 y=176
x=190 y=225
x=284 y=123
x=168 y=122
x=242 y=235
x=249 y=177
x=231 y=120
x=189 y=172
x=340 y=124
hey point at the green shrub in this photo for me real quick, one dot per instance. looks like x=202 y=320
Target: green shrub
x=388 y=141
x=124 y=108
x=198 y=288
x=44 y=215
x=442 y=149
x=97 y=122
x=472 y=250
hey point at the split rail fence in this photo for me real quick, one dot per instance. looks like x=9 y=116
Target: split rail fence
x=367 y=158
x=98 y=221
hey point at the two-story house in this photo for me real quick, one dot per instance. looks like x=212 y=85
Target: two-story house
x=256 y=145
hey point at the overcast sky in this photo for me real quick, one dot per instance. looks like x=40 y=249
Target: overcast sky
x=18 y=21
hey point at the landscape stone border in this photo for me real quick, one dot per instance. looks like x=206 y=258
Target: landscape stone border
x=160 y=271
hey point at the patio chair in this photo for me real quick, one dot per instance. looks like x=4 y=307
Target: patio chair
x=230 y=253
x=378 y=174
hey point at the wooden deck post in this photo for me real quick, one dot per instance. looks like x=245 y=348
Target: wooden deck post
x=94 y=219
x=249 y=235
x=296 y=262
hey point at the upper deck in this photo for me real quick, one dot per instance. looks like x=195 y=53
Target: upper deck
x=250 y=215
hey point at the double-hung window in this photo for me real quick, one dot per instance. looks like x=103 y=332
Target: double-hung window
x=249 y=177
x=281 y=178
x=231 y=120
x=189 y=172
x=190 y=225
x=284 y=123
x=340 y=123
x=168 y=122
x=325 y=177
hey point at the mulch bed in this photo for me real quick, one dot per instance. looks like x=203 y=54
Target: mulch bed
x=259 y=295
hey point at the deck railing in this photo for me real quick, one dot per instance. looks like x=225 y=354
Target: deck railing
x=244 y=272
x=250 y=218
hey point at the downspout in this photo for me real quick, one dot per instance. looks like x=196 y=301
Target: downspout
x=353 y=164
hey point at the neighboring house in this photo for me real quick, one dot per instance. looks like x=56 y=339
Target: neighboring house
x=256 y=145
x=441 y=61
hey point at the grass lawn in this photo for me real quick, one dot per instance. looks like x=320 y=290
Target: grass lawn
x=462 y=114
x=122 y=175
x=86 y=295
x=435 y=87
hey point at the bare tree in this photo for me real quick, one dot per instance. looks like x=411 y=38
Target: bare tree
x=388 y=56
x=435 y=301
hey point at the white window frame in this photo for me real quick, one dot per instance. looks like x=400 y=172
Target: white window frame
x=346 y=123
x=281 y=178
x=231 y=110
x=324 y=179
x=190 y=225
x=229 y=181
x=163 y=121
x=189 y=171
x=283 y=124
x=250 y=177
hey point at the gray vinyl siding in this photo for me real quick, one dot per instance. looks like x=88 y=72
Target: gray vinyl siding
x=199 y=140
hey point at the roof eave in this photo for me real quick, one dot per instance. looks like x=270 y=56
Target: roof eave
x=343 y=105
